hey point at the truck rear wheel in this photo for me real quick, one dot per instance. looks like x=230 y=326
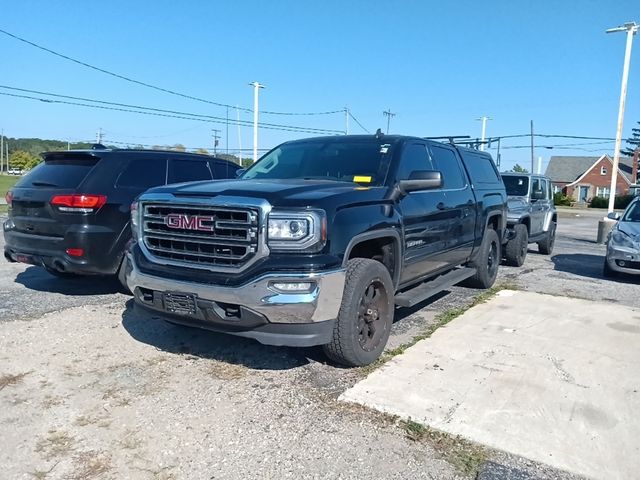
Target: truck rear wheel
x=487 y=261
x=515 y=251
x=366 y=314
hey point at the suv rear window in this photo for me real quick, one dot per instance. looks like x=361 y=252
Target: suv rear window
x=60 y=171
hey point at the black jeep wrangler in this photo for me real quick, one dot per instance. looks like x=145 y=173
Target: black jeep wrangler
x=320 y=240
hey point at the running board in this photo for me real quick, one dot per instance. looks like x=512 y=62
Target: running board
x=429 y=289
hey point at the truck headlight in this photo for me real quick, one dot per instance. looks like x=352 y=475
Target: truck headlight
x=620 y=239
x=297 y=230
x=135 y=221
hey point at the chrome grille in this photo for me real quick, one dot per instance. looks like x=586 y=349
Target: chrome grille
x=199 y=235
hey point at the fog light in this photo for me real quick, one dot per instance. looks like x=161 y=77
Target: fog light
x=292 y=287
x=75 y=252
x=622 y=263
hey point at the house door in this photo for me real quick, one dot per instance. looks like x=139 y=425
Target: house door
x=584 y=194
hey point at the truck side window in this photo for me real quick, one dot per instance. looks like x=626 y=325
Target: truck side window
x=188 y=171
x=414 y=157
x=447 y=163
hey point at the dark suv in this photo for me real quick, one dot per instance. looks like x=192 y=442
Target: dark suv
x=70 y=214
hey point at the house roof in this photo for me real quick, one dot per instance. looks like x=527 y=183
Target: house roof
x=564 y=169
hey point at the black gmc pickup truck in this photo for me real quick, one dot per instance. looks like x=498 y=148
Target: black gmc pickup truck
x=320 y=240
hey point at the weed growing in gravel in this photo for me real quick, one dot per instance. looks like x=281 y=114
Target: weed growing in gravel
x=441 y=320
x=56 y=444
x=8 y=379
x=465 y=456
x=226 y=371
x=90 y=465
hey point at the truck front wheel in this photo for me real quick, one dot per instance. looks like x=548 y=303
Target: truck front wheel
x=366 y=314
x=515 y=250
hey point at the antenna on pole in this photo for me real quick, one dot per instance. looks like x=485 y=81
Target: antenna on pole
x=483 y=119
x=215 y=140
x=346 y=120
x=388 y=113
x=99 y=135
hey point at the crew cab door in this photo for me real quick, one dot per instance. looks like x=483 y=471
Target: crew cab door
x=457 y=203
x=426 y=226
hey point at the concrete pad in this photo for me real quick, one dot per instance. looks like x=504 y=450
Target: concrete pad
x=553 y=379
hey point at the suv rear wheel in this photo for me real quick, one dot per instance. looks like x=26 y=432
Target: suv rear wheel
x=366 y=314
x=515 y=250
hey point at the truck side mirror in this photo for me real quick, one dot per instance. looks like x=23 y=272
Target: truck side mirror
x=418 y=180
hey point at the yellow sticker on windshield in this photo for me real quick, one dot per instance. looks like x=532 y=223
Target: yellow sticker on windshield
x=362 y=179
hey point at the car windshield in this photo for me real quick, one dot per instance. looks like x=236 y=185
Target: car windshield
x=361 y=161
x=517 y=186
x=632 y=213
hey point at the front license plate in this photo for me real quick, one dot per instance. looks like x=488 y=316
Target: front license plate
x=179 y=303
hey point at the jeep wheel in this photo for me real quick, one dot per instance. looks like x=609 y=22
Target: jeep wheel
x=366 y=314
x=487 y=261
x=516 y=249
x=546 y=246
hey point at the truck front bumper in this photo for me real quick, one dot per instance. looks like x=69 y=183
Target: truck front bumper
x=260 y=309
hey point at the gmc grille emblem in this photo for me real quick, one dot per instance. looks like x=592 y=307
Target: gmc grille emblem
x=189 y=222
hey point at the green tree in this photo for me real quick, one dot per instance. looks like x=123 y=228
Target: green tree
x=202 y=151
x=22 y=160
x=179 y=147
x=633 y=142
x=519 y=169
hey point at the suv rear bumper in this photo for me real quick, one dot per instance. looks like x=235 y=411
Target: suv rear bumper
x=255 y=309
x=50 y=252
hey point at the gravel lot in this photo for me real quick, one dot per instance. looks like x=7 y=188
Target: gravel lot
x=92 y=388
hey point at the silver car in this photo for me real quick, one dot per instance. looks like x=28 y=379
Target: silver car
x=623 y=242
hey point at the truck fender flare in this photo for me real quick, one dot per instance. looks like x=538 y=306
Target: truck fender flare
x=384 y=233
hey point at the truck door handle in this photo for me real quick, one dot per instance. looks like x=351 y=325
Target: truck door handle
x=441 y=206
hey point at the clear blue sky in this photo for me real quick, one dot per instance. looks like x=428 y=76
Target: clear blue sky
x=437 y=65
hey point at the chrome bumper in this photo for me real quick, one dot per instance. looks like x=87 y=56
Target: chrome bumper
x=321 y=303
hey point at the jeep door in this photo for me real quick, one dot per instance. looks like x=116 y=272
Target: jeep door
x=426 y=227
x=539 y=206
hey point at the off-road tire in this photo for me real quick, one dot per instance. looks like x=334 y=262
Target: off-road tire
x=515 y=251
x=345 y=347
x=122 y=281
x=545 y=247
x=487 y=261
x=607 y=272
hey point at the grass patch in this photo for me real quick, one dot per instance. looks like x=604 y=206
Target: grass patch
x=90 y=465
x=8 y=379
x=4 y=209
x=6 y=182
x=440 y=321
x=226 y=371
x=56 y=444
x=465 y=456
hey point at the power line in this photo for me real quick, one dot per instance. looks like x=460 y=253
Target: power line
x=158 y=113
x=273 y=126
x=154 y=87
x=356 y=120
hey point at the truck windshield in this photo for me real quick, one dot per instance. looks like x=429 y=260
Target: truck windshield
x=516 y=186
x=364 y=162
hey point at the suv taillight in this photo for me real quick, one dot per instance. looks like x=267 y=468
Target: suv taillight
x=78 y=203
x=9 y=197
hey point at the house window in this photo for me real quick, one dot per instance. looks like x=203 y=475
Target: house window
x=603 y=170
x=556 y=189
x=602 y=192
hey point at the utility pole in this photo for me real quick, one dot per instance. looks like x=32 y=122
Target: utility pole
x=239 y=136
x=346 y=120
x=256 y=88
x=99 y=136
x=215 y=140
x=388 y=114
x=483 y=119
x=1 y=150
x=631 y=28
x=226 y=142
x=532 y=151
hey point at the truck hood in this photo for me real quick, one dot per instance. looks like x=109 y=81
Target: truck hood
x=279 y=193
